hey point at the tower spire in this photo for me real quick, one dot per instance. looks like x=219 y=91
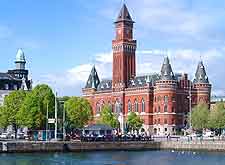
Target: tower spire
x=124 y=15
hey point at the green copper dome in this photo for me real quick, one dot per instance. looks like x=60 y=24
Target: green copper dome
x=20 y=57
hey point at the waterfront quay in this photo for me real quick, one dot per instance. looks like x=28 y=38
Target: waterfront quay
x=78 y=146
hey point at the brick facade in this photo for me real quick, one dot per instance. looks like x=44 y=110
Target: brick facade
x=161 y=100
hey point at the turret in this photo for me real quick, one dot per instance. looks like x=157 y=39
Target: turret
x=93 y=79
x=20 y=60
x=201 y=86
x=164 y=107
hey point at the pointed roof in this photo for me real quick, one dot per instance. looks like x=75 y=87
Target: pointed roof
x=166 y=70
x=200 y=75
x=124 y=15
x=93 y=79
x=20 y=57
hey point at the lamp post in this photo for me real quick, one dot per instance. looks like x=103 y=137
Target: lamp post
x=47 y=123
x=190 y=107
x=56 y=115
x=64 y=117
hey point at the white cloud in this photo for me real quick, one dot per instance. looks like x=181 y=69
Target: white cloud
x=148 y=61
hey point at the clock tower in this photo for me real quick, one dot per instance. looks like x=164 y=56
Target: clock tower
x=124 y=47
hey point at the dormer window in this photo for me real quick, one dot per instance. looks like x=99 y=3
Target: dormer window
x=6 y=86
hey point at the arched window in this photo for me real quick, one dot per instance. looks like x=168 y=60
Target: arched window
x=117 y=107
x=110 y=106
x=98 y=108
x=158 y=109
x=159 y=121
x=143 y=105
x=165 y=108
x=165 y=99
x=129 y=106
x=165 y=121
x=136 y=105
x=158 y=98
x=173 y=109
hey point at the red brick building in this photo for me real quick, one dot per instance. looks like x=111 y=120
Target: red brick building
x=162 y=100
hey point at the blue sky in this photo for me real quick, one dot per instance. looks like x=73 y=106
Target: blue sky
x=63 y=39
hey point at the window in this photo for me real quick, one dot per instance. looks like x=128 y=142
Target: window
x=173 y=121
x=98 y=108
x=173 y=109
x=143 y=105
x=158 y=98
x=165 y=99
x=129 y=106
x=136 y=105
x=117 y=107
x=110 y=106
x=173 y=99
x=165 y=108
x=165 y=129
x=158 y=121
x=158 y=109
x=165 y=121
x=6 y=86
x=155 y=122
x=155 y=109
x=155 y=98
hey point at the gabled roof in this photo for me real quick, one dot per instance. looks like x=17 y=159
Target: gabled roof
x=200 y=75
x=93 y=79
x=166 y=70
x=124 y=15
x=140 y=81
x=105 y=85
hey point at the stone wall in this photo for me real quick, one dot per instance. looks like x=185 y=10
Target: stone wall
x=97 y=146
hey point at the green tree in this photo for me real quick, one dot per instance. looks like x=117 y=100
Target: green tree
x=134 y=121
x=199 y=117
x=11 y=108
x=34 y=110
x=217 y=117
x=107 y=117
x=78 y=111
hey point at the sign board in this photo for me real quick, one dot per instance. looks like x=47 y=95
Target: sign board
x=51 y=121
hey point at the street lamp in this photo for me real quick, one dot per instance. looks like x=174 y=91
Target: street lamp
x=56 y=115
x=190 y=107
x=64 y=116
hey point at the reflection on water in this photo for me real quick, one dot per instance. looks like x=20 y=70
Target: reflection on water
x=115 y=158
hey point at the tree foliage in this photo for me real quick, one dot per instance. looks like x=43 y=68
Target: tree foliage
x=217 y=117
x=78 y=112
x=134 y=121
x=199 y=116
x=11 y=108
x=34 y=110
x=107 y=117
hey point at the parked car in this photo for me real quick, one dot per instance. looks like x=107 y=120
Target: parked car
x=20 y=136
x=208 y=134
x=5 y=135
